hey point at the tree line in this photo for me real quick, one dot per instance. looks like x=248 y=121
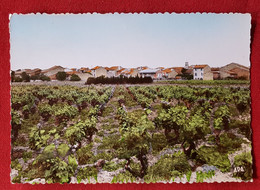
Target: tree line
x=119 y=80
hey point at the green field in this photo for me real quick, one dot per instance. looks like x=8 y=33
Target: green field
x=207 y=82
x=130 y=134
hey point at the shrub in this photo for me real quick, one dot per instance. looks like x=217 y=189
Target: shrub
x=58 y=171
x=18 y=79
x=229 y=142
x=244 y=160
x=170 y=166
x=86 y=173
x=119 y=80
x=25 y=77
x=84 y=154
x=75 y=77
x=63 y=149
x=61 y=76
x=44 y=78
x=210 y=156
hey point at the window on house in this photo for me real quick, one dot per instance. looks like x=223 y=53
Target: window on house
x=201 y=74
x=201 y=69
x=195 y=74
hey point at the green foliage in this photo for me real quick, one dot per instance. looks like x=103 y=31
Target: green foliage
x=229 y=142
x=244 y=161
x=25 y=77
x=80 y=130
x=75 y=77
x=243 y=126
x=45 y=111
x=72 y=161
x=27 y=156
x=110 y=142
x=18 y=79
x=201 y=176
x=16 y=165
x=112 y=166
x=168 y=166
x=221 y=117
x=107 y=111
x=87 y=172
x=74 y=134
x=158 y=142
x=206 y=82
x=103 y=155
x=48 y=153
x=58 y=171
x=38 y=138
x=211 y=156
x=61 y=76
x=65 y=113
x=135 y=138
x=63 y=149
x=125 y=177
x=84 y=154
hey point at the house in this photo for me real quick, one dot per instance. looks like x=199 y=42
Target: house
x=84 y=70
x=216 y=73
x=154 y=73
x=142 y=68
x=112 y=71
x=202 y=72
x=133 y=72
x=51 y=72
x=235 y=70
x=99 y=71
x=169 y=73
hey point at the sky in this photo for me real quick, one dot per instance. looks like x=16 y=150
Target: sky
x=128 y=40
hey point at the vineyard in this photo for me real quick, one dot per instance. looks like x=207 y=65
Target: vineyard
x=127 y=133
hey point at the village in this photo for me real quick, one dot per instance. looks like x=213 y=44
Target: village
x=188 y=72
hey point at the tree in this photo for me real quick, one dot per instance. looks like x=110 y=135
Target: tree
x=195 y=129
x=25 y=77
x=185 y=75
x=44 y=77
x=82 y=129
x=75 y=77
x=16 y=123
x=61 y=76
x=135 y=141
x=12 y=76
x=173 y=118
x=75 y=134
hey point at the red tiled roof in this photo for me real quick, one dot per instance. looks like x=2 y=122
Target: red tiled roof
x=72 y=72
x=95 y=68
x=215 y=69
x=200 y=66
x=177 y=69
x=52 y=68
x=167 y=70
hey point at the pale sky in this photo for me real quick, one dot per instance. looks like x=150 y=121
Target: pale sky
x=128 y=40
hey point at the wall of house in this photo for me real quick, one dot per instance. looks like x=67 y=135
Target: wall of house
x=242 y=73
x=84 y=76
x=111 y=73
x=198 y=74
x=135 y=73
x=172 y=74
x=54 y=71
x=101 y=71
x=207 y=75
x=223 y=74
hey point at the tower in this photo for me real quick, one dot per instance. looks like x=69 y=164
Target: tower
x=186 y=65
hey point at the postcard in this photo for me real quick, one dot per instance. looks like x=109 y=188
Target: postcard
x=130 y=98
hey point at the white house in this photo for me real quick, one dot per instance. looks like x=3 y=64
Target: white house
x=202 y=72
